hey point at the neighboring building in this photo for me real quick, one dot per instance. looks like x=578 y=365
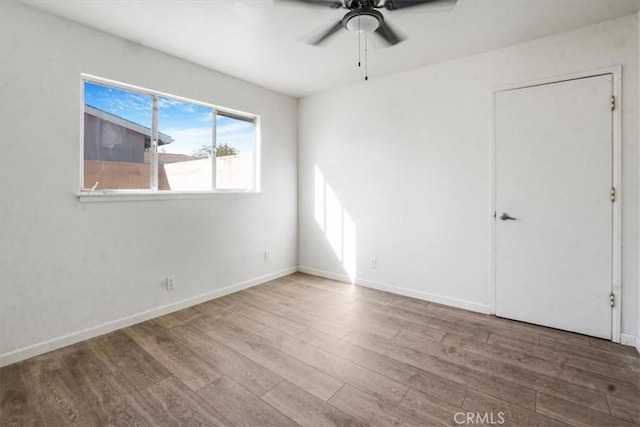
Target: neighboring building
x=111 y=138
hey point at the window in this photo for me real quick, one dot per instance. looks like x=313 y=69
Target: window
x=137 y=139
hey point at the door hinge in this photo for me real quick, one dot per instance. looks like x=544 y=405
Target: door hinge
x=613 y=194
x=611 y=299
x=613 y=103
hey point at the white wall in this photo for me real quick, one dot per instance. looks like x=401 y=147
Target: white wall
x=68 y=267
x=408 y=159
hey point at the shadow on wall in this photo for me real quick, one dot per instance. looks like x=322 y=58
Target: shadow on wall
x=336 y=224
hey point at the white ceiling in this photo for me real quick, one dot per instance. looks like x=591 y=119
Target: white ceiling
x=262 y=43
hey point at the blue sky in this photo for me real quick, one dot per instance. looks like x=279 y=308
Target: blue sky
x=188 y=124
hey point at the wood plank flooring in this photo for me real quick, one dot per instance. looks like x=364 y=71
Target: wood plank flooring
x=308 y=351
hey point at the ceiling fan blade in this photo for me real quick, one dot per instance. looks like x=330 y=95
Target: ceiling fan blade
x=334 y=4
x=404 y=4
x=388 y=34
x=324 y=35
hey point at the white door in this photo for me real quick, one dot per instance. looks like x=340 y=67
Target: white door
x=553 y=158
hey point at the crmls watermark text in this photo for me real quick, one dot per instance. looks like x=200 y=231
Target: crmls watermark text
x=496 y=418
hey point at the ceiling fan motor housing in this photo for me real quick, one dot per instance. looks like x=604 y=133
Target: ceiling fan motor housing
x=358 y=4
x=362 y=20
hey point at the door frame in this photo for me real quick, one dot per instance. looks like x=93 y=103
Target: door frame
x=616 y=259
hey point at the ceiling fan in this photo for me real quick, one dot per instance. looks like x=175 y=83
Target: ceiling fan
x=363 y=16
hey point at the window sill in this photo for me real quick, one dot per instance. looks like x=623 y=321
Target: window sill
x=131 y=196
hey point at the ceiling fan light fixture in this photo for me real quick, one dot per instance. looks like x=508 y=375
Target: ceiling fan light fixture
x=359 y=21
x=363 y=24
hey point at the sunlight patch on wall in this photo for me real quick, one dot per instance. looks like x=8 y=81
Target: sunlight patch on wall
x=336 y=224
x=349 y=246
x=319 y=198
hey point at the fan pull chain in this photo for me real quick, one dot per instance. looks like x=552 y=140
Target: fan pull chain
x=359 y=42
x=366 y=57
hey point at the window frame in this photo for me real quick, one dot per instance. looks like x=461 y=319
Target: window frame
x=153 y=192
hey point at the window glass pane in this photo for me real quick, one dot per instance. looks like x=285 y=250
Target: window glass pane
x=235 y=152
x=185 y=146
x=117 y=135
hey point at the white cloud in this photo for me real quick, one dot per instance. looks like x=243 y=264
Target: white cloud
x=205 y=117
x=237 y=133
x=183 y=107
x=186 y=141
x=236 y=127
x=167 y=102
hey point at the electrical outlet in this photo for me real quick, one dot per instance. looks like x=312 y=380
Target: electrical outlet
x=171 y=282
x=374 y=263
x=267 y=256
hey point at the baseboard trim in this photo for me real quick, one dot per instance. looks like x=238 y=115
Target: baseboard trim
x=627 y=339
x=630 y=340
x=75 y=337
x=325 y=274
x=427 y=296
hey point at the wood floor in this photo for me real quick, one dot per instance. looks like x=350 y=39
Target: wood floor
x=308 y=351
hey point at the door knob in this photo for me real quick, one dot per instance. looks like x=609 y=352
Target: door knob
x=505 y=217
